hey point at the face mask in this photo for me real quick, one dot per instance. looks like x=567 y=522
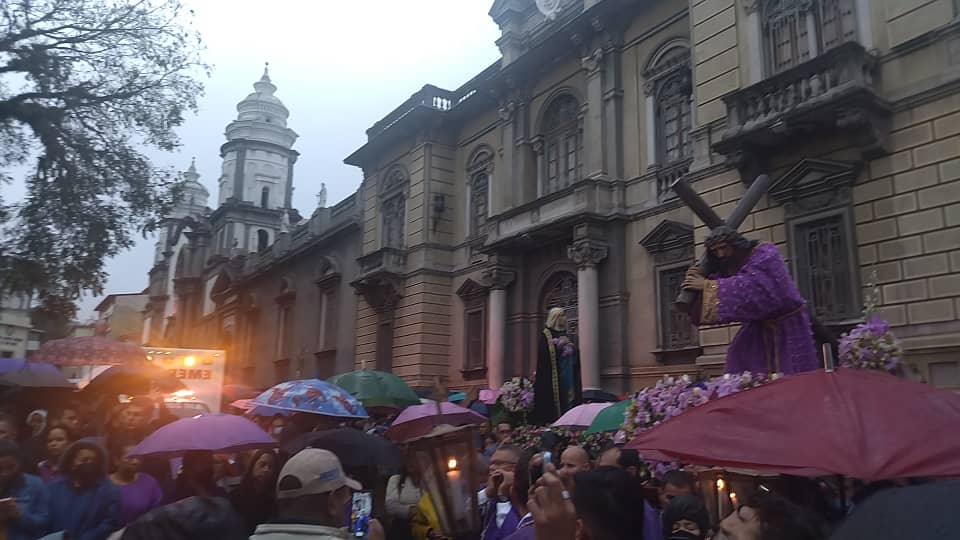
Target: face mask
x=278 y=430
x=86 y=471
x=683 y=535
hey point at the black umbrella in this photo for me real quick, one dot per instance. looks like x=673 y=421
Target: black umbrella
x=921 y=512
x=133 y=380
x=354 y=448
x=599 y=396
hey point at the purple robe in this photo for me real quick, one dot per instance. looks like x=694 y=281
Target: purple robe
x=775 y=333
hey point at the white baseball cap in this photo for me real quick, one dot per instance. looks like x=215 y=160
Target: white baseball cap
x=312 y=471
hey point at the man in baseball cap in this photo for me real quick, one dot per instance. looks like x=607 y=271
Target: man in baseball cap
x=313 y=500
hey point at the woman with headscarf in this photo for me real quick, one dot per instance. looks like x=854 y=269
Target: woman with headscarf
x=255 y=497
x=32 y=448
x=556 y=387
x=83 y=502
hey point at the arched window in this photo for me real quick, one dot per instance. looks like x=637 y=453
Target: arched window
x=561 y=143
x=561 y=291
x=263 y=240
x=264 y=197
x=478 y=172
x=393 y=208
x=673 y=118
x=795 y=31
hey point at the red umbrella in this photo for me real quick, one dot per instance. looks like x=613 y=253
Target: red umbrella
x=88 y=351
x=858 y=423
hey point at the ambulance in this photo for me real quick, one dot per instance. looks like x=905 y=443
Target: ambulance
x=200 y=370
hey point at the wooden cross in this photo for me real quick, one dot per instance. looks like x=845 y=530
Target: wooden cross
x=691 y=198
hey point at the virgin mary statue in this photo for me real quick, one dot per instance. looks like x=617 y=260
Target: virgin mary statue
x=556 y=384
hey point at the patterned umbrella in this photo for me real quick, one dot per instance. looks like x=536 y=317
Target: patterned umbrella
x=88 y=351
x=217 y=433
x=376 y=388
x=312 y=396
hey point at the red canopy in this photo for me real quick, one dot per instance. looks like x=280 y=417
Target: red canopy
x=857 y=423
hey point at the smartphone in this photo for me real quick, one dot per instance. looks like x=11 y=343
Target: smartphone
x=360 y=509
x=547 y=458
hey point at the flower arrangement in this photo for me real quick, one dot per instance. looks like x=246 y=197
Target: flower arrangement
x=672 y=396
x=516 y=395
x=527 y=436
x=564 y=346
x=871 y=345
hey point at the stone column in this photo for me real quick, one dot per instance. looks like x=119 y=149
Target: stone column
x=588 y=253
x=593 y=139
x=499 y=279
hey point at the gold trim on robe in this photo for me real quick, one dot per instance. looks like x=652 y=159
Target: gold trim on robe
x=710 y=310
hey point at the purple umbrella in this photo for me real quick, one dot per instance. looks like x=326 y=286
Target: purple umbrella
x=418 y=420
x=217 y=433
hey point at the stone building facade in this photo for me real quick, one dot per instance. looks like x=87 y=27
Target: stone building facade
x=251 y=276
x=545 y=181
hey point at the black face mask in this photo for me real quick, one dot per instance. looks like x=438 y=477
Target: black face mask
x=683 y=535
x=86 y=472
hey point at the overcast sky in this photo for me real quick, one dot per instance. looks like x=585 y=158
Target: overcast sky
x=339 y=66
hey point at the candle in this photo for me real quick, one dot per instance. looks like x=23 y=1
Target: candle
x=733 y=499
x=454 y=480
x=720 y=485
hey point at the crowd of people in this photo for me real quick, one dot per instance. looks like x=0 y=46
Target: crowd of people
x=66 y=475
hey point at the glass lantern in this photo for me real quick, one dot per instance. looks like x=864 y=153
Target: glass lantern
x=447 y=459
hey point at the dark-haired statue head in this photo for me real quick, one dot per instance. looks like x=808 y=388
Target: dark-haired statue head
x=727 y=250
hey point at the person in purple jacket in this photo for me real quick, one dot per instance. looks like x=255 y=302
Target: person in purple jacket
x=139 y=492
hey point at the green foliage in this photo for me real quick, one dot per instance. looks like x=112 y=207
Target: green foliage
x=83 y=85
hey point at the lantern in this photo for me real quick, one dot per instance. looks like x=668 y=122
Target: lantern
x=724 y=490
x=447 y=460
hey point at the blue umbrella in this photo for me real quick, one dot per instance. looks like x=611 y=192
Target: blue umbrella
x=312 y=396
x=22 y=373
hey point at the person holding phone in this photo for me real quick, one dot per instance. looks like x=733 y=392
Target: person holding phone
x=314 y=497
x=23 y=507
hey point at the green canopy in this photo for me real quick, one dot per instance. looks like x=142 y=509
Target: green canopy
x=376 y=388
x=609 y=419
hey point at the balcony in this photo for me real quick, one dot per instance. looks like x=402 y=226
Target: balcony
x=666 y=176
x=832 y=92
x=383 y=261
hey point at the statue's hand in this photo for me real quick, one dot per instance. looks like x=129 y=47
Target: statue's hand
x=693 y=282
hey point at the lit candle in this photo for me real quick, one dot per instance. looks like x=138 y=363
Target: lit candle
x=720 y=485
x=454 y=480
x=733 y=499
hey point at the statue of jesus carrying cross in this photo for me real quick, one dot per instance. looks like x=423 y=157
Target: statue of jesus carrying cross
x=747 y=281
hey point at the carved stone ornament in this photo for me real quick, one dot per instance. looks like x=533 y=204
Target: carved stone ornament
x=593 y=62
x=588 y=252
x=380 y=294
x=499 y=277
x=549 y=8
x=815 y=183
x=507 y=110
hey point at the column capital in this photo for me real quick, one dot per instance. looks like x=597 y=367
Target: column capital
x=588 y=252
x=593 y=62
x=499 y=277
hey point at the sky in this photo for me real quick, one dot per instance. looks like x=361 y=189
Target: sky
x=339 y=66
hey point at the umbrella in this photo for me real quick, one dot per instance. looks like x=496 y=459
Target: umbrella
x=581 y=416
x=17 y=372
x=926 y=511
x=610 y=418
x=312 y=396
x=217 y=433
x=234 y=392
x=599 y=396
x=243 y=404
x=376 y=388
x=88 y=351
x=858 y=423
x=417 y=420
x=354 y=447
x=133 y=379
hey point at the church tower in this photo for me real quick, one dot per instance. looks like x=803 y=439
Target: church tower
x=256 y=182
x=192 y=203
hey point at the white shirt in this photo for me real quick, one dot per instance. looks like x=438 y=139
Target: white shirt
x=503 y=508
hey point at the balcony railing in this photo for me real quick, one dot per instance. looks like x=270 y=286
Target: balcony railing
x=429 y=97
x=384 y=260
x=666 y=176
x=817 y=92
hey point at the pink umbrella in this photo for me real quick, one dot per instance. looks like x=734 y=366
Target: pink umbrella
x=419 y=420
x=243 y=404
x=88 y=351
x=581 y=416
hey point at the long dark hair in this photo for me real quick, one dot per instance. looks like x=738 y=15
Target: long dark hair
x=247 y=482
x=726 y=235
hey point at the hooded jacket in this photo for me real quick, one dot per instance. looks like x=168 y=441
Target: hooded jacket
x=88 y=513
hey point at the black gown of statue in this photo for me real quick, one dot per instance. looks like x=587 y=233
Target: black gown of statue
x=550 y=402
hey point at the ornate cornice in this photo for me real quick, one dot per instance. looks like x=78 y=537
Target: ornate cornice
x=588 y=252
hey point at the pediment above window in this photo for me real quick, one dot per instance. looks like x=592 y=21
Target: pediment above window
x=815 y=183
x=667 y=236
x=471 y=290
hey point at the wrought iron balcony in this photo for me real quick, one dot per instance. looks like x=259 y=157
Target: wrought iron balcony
x=835 y=90
x=383 y=261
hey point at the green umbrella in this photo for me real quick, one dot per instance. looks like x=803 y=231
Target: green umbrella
x=376 y=388
x=609 y=419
